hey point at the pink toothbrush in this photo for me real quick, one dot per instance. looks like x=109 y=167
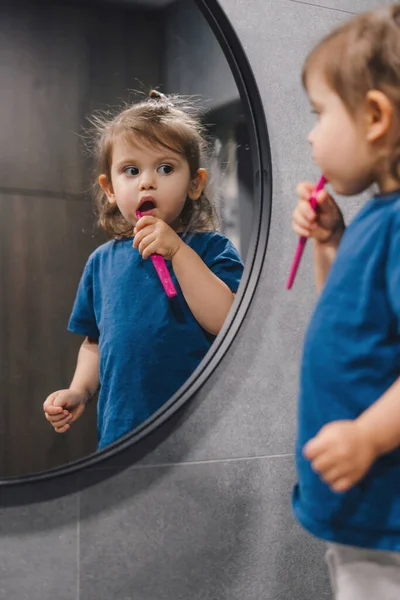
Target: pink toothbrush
x=303 y=240
x=162 y=271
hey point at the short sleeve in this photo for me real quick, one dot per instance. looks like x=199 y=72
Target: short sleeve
x=83 y=318
x=222 y=258
x=393 y=266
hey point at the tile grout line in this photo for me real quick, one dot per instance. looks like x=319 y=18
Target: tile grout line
x=78 y=546
x=198 y=462
x=341 y=10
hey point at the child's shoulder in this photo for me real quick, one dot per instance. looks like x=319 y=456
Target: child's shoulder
x=395 y=206
x=205 y=238
x=389 y=202
x=378 y=217
x=103 y=249
x=211 y=244
x=391 y=206
x=101 y=252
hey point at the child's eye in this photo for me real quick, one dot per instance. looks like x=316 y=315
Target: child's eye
x=131 y=171
x=165 y=169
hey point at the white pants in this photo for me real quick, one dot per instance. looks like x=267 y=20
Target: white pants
x=361 y=574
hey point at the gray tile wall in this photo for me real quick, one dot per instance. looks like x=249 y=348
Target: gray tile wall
x=207 y=516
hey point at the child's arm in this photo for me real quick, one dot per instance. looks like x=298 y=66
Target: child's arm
x=344 y=451
x=380 y=423
x=326 y=227
x=208 y=297
x=86 y=377
x=64 y=407
x=324 y=257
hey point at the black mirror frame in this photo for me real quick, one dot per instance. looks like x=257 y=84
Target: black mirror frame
x=144 y=439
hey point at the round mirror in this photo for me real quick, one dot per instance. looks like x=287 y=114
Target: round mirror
x=71 y=291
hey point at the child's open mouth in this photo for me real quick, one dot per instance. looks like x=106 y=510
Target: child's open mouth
x=147 y=207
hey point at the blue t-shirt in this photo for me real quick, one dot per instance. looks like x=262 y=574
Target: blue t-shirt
x=351 y=357
x=149 y=345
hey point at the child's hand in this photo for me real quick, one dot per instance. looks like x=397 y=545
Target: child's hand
x=154 y=236
x=341 y=453
x=326 y=225
x=64 y=407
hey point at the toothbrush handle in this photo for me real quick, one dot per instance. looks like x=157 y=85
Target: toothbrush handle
x=303 y=240
x=296 y=261
x=161 y=270
x=163 y=273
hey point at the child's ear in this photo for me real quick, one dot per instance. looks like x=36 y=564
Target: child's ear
x=379 y=112
x=106 y=186
x=198 y=184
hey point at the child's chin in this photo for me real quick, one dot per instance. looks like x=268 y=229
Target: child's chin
x=341 y=189
x=348 y=191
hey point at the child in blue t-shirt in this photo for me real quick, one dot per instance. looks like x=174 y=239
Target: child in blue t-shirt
x=348 y=448
x=140 y=346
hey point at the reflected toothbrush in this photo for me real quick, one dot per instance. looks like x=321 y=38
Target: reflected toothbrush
x=161 y=270
x=303 y=240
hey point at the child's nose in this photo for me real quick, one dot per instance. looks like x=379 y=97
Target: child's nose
x=147 y=181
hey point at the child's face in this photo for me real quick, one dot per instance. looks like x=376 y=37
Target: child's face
x=339 y=141
x=151 y=179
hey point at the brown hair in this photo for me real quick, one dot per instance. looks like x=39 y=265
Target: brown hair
x=169 y=121
x=359 y=56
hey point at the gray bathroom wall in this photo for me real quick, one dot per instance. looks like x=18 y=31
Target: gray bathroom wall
x=207 y=515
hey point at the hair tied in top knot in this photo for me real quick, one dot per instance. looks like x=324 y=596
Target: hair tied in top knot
x=159 y=97
x=155 y=95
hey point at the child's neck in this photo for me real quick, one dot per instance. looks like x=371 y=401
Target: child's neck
x=387 y=183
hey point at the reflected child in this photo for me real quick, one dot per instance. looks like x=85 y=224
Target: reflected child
x=139 y=347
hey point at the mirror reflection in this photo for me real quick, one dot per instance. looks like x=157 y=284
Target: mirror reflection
x=126 y=201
